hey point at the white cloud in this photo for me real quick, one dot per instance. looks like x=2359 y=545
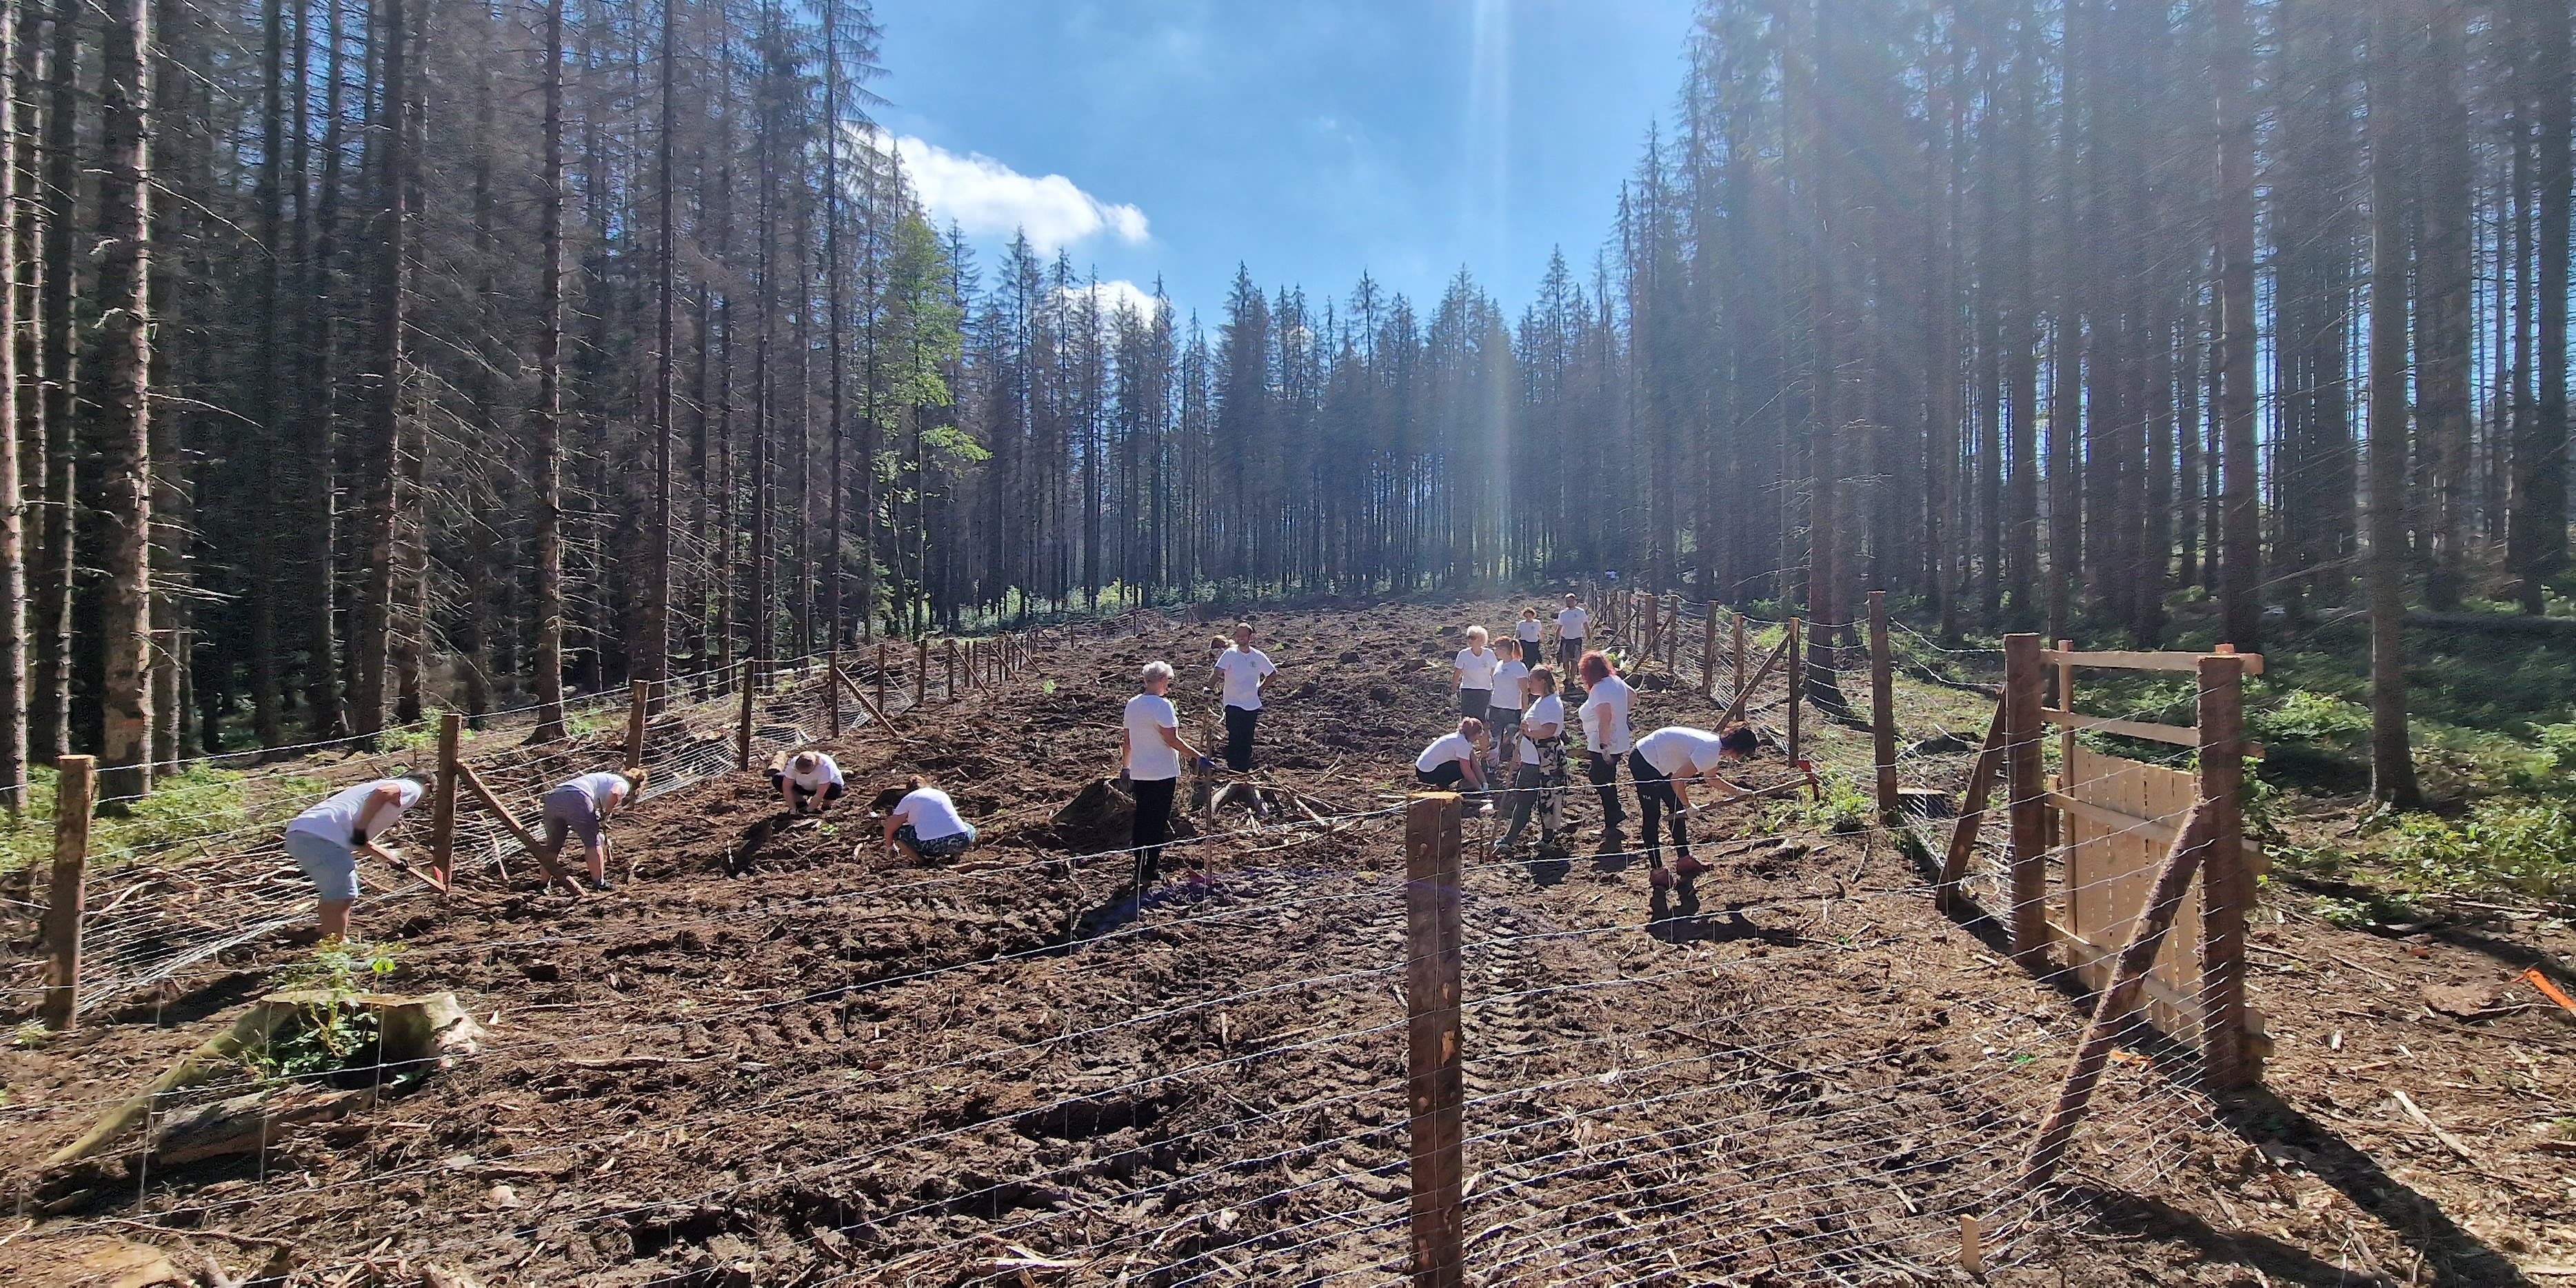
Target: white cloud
x=987 y=198
x=1112 y=294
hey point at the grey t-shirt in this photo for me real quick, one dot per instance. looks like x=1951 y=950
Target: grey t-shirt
x=597 y=787
x=339 y=816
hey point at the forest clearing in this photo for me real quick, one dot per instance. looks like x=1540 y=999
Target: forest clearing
x=776 y=1057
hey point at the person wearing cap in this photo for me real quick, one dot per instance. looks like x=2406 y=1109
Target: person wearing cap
x=807 y=781
x=1150 y=746
x=1663 y=764
x=926 y=825
x=581 y=808
x=326 y=839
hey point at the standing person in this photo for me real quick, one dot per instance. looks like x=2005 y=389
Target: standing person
x=807 y=781
x=1150 y=746
x=1455 y=760
x=1529 y=631
x=1244 y=669
x=1663 y=765
x=1571 y=625
x=581 y=808
x=1511 y=680
x=926 y=825
x=1472 y=677
x=1605 y=740
x=1539 y=783
x=326 y=838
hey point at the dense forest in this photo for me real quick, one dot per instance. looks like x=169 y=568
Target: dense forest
x=375 y=355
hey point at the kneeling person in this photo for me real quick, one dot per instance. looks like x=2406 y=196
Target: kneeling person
x=925 y=824
x=581 y=808
x=807 y=781
x=325 y=841
x=1454 y=761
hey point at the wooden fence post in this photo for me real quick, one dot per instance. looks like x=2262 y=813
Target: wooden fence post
x=2120 y=996
x=1673 y=637
x=1882 y=706
x=2065 y=672
x=2227 y=882
x=1741 y=644
x=921 y=670
x=951 y=655
x=75 y=796
x=881 y=675
x=1708 y=652
x=742 y=735
x=2028 y=801
x=1796 y=656
x=442 y=808
x=639 y=707
x=1436 y=1069
x=1972 y=813
x=832 y=687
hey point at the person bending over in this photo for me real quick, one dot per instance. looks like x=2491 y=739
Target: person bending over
x=1150 y=746
x=1605 y=740
x=326 y=839
x=581 y=808
x=925 y=824
x=1243 y=668
x=1539 y=784
x=1454 y=761
x=807 y=781
x=1663 y=764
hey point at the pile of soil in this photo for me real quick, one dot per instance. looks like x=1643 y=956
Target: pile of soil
x=785 y=1056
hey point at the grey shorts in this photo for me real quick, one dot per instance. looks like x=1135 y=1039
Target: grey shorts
x=568 y=809
x=329 y=865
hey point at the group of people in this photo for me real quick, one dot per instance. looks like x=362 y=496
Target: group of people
x=327 y=838
x=1511 y=738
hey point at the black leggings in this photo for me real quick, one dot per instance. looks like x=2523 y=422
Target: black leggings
x=1153 y=826
x=1654 y=795
x=1605 y=780
x=1448 y=777
x=1238 y=737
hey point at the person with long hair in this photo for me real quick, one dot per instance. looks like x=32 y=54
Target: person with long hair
x=1538 y=783
x=1605 y=739
x=1150 y=745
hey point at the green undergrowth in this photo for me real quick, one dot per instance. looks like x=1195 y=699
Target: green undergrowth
x=195 y=803
x=333 y=1031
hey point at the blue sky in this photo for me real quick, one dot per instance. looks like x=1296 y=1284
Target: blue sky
x=1310 y=139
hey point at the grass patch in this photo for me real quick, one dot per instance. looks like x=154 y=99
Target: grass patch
x=191 y=805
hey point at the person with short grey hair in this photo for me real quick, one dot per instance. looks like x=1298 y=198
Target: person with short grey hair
x=1150 y=747
x=326 y=839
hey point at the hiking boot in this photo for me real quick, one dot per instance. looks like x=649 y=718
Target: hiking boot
x=1687 y=867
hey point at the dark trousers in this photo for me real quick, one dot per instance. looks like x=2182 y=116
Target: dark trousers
x=1446 y=777
x=1153 y=826
x=1473 y=703
x=1605 y=780
x=1654 y=796
x=1569 y=656
x=1238 y=737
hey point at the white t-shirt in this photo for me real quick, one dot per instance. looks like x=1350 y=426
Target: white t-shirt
x=1681 y=751
x=1508 y=680
x=1549 y=710
x=1243 y=672
x=1149 y=758
x=1476 y=670
x=338 y=816
x=1453 y=747
x=1528 y=629
x=825 y=774
x=930 y=812
x=1571 y=624
x=597 y=787
x=1605 y=717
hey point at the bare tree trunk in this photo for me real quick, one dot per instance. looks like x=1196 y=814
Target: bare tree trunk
x=548 y=416
x=2392 y=766
x=2443 y=324
x=2540 y=499
x=13 y=509
x=385 y=355
x=114 y=397
x=49 y=720
x=2240 y=595
x=652 y=659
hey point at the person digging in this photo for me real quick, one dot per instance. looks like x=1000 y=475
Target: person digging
x=581 y=808
x=807 y=782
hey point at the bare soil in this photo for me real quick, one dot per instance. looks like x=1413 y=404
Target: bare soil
x=781 y=1057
